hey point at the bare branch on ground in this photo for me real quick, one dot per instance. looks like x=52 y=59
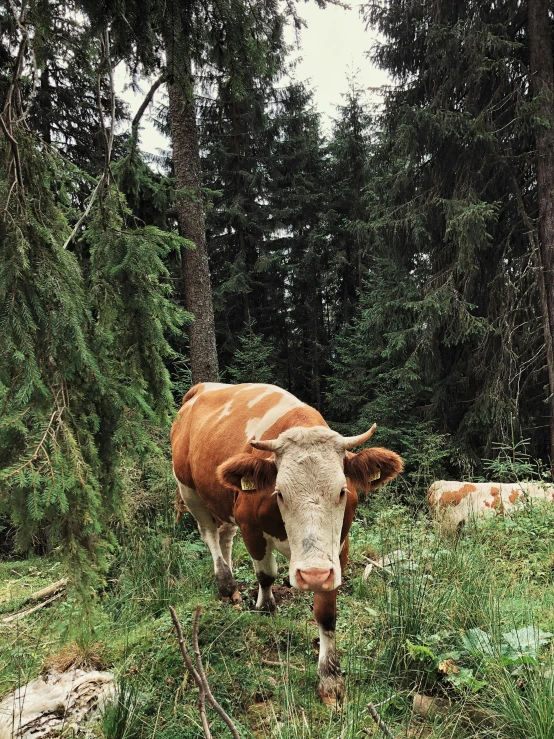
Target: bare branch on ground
x=199 y=675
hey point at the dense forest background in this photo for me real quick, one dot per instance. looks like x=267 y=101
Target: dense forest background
x=398 y=271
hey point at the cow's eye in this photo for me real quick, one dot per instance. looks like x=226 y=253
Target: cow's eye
x=343 y=493
x=279 y=494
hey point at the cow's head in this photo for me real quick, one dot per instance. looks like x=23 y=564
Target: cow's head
x=314 y=477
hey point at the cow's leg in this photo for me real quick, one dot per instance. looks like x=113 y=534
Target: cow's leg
x=260 y=548
x=207 y=526
x=331 y=685
x=227 y=533
x=266 y=572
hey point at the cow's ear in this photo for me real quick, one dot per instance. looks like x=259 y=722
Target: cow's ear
x=372 y=467
x=247 y=473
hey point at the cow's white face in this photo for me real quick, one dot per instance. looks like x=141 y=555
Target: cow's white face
x=307 y=474
x=311 y=493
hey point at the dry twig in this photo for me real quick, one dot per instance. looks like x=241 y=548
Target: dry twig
x=106 y=174
x=379 y=721
x=199 y=675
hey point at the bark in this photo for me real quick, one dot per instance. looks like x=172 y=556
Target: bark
x=542 y=80
x=190 y=214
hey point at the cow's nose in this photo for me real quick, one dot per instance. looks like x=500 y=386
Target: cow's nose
x=315 y=579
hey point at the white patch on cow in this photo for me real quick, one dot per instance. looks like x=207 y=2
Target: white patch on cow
x=268 y=566
x=227 y=407
x=326 y=646
x=208 y=387
x=256 y=427
x=269 y=390
x=204 y=519
x=283 y=547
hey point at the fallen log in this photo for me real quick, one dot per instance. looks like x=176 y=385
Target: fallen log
x=48 y=590
x=60 y=701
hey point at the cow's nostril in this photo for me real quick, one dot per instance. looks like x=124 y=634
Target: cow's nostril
x=315 y=579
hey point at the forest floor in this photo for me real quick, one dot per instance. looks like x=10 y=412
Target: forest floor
x=467 y=622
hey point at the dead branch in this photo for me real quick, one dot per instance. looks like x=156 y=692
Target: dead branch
x=106 y=174
x=21 y=614
x=199 y=676
x=39 y=594
x=82 y=219
x=49 y=590
x=145 y=103
x=379 y=721
x=112 y=98
x=15 y=153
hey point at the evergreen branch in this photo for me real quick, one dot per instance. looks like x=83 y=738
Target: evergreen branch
x=40 y=445
x=145 y=103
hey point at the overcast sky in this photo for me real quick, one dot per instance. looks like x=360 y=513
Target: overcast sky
x=333 y=47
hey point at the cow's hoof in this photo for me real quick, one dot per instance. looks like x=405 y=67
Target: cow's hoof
x=331 y=691
x=234 y=599
x=267 y=606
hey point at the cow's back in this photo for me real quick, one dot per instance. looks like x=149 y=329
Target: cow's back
x=454 y=503
x=216 y=422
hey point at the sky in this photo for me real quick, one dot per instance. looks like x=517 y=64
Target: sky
x=333 y=47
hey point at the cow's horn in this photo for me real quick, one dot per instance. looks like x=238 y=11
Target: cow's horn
x=268 y=445
x=349 y=442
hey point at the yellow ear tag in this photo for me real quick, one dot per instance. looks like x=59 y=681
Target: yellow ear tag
x=247 y=483
x=376 y=476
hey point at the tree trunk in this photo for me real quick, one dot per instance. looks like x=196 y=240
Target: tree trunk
x=190 y=214
x=542 y=79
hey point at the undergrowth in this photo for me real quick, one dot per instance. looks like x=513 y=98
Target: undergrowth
x=468 y=622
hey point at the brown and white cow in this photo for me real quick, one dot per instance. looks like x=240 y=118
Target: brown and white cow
x=453 y=503
x=255 y=457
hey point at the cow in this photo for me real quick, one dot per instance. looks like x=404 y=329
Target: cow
x=254 y=457
x=453 y=503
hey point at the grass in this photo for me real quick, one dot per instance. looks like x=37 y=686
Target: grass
x=418 y=628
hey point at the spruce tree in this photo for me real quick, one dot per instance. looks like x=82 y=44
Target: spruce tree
x=238 y=138
x=227 y=39
x=345 y=220
x=455 y=208
x=297 y=199
x=541 y=71
x=85 y=315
